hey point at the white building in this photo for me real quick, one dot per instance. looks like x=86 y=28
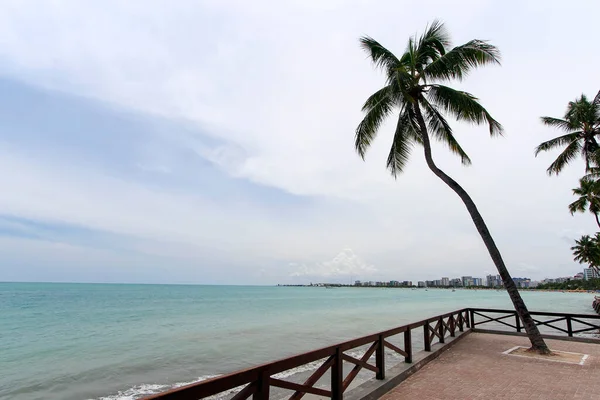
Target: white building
x=590 y=273
x=445 y=282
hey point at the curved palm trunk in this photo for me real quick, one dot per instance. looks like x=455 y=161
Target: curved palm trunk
x=597 y=220
x=537 y=342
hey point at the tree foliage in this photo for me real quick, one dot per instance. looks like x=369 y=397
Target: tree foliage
x=581 y=124
x=415 y=80
x=588 y=194
x=587 y=250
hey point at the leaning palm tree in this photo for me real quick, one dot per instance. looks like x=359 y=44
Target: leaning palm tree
x=581 y=124
x=412 y=87
x=589 y=198
x=587 y=251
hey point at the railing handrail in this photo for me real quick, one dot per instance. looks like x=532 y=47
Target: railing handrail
x=231 y=380
x=258 y=376
x=540 y=313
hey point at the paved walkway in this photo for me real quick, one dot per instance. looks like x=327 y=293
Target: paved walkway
x=475 y=368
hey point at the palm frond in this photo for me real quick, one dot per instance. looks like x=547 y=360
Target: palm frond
x=558 y=123
x=441 y=130
x=431 y=45
x=595 y=205
x=464 y=106
x=381 y=57
x=564 y=158
x=414 y=133
x=377 y=107
x=578 y=205
x=459 y=61
x=401 y=145
x=560 y=141
x=596 y=101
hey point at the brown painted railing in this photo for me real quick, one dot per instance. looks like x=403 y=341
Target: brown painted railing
x=257 y=381
x=561 y=323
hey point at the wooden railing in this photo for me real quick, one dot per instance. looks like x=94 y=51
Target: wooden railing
x=549 y=322
x=258 y=381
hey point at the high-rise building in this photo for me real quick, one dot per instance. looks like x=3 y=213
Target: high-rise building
x=590 y=273
x=445 y=281
x=477 y=282
x=493 y=281
x=467 y=281
x=421 y=284
x=522 y=282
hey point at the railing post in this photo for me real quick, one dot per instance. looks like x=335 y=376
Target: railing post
x=569 y=326
x=466 y=318
x=460 y=321
x=262 y=387
x=380 y=358
x=472 y=318
x=441 y=329
x=452 y=326
x=337 y=376
x=426 y=336
x=517 y=322
x=407 y=346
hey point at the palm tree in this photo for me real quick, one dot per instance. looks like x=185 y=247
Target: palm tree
x=412 y=87
x=582 y=124
x=587 y=251
x=589 y=198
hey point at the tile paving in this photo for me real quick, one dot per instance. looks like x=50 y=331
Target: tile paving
x=475 y=368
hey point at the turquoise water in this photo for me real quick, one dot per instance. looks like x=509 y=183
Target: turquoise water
x=119 y=342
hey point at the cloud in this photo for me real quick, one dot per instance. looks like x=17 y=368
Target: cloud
x=176 y=133
x=346 y=263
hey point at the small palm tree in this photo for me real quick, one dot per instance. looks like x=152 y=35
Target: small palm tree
x=587 y=251
x=412 y=87
x=589 y=198
x=582 y=124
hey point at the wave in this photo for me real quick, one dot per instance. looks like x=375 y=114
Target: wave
x=147 y=389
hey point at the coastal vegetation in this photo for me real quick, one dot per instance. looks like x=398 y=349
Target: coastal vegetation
x=574 y=284
x=414 y=92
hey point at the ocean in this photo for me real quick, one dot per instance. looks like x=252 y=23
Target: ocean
x=122 y=342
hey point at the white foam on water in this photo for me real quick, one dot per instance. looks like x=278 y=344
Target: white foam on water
x=147 y=389
x=139 y=391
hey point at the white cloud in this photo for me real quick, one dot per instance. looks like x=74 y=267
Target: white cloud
x=285 y=100
x=346 y=263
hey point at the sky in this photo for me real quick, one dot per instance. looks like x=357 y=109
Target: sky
x=212 y=142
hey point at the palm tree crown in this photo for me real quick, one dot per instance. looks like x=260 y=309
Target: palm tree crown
x=589 y=198
x=412 y=81
x=582 y=124
x=586 y=251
